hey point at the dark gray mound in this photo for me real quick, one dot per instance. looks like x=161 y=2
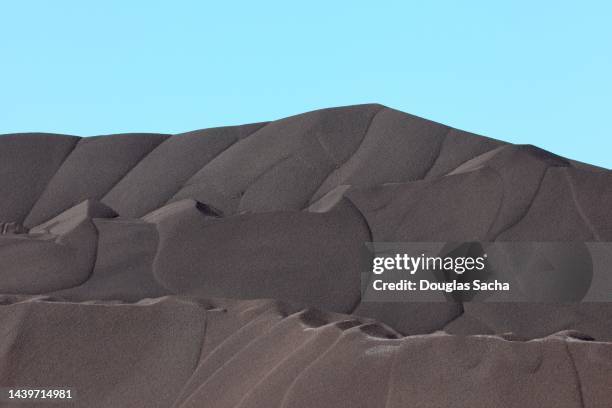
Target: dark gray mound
x=115 y=253
x=174 y=352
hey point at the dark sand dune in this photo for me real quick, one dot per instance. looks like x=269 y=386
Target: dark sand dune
x=175 y=352
x=135 y=268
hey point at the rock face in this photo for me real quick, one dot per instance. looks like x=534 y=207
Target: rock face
x=221 y=267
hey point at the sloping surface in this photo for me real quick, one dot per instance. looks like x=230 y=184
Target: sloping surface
x=173 y=352
x=116 y=253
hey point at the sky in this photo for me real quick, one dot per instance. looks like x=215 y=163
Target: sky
x=537 y=72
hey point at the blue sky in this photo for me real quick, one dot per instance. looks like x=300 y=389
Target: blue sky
x=535 y=72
